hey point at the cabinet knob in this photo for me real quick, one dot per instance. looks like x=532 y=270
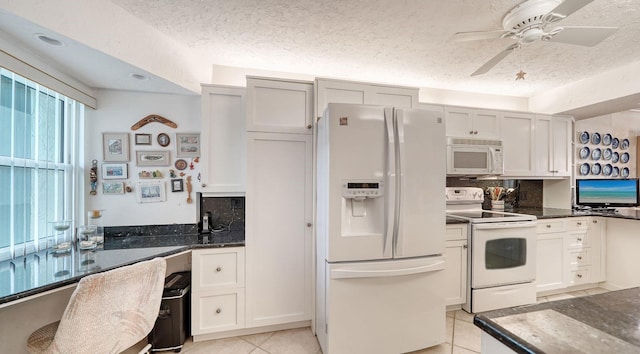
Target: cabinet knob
x=579 y=238
x=309 y=126
x=219 y=269
x=464 y=246
x=471 y=132
x=579 y=223
x=218 y=310
x=579 y=257
x=475 y=132
x=204 y=185
x=579 y=275
x=309 y=224
x=548 y=226
x=595 y=221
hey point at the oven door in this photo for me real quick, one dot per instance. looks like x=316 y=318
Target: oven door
x=503 y=253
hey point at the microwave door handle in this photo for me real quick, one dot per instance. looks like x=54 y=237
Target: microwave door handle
x=493 y=159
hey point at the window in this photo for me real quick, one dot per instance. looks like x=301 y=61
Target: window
x=38 y=145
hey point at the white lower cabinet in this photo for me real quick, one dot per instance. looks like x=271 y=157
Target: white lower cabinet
x=278 y=228
x=570 y=252
x=455 y=271
x=217 y=290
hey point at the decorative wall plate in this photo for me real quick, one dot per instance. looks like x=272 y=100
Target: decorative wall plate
x=584 y=152
x=615 y=143
x=596 y=153
x=584 y=137
x=615 y=157
x=615 y=172
x=181 y=164
x=596 y=168
x=595 y=138
x=624 y=145
x=625 y=173
x=585 y=168
x=606 y=139
x=624 y=158
x=607 y=169
x=606 y=154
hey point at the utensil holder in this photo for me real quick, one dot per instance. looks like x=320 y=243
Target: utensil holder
x=497 y=204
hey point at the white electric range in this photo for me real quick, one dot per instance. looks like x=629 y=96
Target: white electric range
x=502 y=252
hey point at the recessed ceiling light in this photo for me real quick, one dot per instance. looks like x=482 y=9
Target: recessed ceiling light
x=49 y=40
x=139 y=77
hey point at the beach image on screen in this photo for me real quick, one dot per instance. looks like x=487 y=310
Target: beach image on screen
x=608 y=191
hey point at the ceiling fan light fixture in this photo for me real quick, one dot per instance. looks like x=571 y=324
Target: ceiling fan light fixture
x=532 y=34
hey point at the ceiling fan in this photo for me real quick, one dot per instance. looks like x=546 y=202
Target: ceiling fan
x=527 y=23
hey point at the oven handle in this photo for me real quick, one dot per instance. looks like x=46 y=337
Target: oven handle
x=505 y=225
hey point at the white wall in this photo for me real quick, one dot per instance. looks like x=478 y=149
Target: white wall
x=117 y=112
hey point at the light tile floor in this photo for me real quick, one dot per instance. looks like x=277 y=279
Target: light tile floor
x=462 y=337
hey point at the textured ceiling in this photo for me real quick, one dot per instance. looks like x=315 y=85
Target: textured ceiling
x=397 y=41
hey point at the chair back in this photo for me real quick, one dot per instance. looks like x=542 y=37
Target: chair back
x=111 y=311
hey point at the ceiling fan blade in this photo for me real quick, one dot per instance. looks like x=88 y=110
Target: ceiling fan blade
x=495 y=60
x=566 y=8
x=585 y=36
x=478 y=35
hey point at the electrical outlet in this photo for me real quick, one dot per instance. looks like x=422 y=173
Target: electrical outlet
x=237 y=203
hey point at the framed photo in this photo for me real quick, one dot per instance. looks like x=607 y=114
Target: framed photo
x=112 y=188
x=115 y=147
x=114 y=171
x=150 y=192
x=177 y=185
x=188 y=145
x=152 y=158
x=143 y=139
x=163 y=139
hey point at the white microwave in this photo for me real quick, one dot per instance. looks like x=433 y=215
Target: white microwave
x=474 y=157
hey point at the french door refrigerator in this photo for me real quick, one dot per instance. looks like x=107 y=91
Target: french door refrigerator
x=380 y=229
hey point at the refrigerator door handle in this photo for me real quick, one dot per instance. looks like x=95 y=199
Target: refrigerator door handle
x=400 y=180
x=361 y=273
x=390 y=192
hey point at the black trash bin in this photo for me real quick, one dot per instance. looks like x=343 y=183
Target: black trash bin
x=172 y=326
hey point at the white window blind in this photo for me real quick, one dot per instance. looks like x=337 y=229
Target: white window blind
x=38 y=150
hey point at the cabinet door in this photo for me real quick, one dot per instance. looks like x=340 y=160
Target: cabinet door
x=486 y=124
x=455 y=272
x=597 y=237
x=330 y=91
x=278 y=228
x=217 y=311
x=399 y=97
x=550 y=261
x=279 y=106
x=458 y=121
x=223 y=140
x=544 y=146
x=217 y=268
x=518 y=144
x=562 y=129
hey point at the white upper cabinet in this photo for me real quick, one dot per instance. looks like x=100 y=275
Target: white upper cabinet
x=472 y=123
x=553 y=146
x=279 y=106
x=336 y=91
x=518 y=143
x=223 y=140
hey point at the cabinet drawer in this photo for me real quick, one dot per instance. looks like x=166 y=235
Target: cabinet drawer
x=580 y=258
x=578 y=276
x=577 y=240
x=550 y=226
x=456 y=232
x=216 y=269
x=577 y=224
x=215 y=311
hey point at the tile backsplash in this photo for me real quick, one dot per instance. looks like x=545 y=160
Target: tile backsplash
x=529 y=191
x=226 y=212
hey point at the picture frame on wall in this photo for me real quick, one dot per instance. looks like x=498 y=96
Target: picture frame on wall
x=143 y=139
x=177 y=185
x=187 y=144
x=150 y=192
x=115 y=147
x=114 y=171
x=109 y=188
x=152 y=158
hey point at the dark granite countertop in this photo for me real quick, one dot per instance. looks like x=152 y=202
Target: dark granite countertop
x=550 y=213
x=456 y=221
x=43 y=271
x=603 y=323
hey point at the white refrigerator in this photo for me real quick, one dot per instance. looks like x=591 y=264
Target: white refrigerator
x=380 y=229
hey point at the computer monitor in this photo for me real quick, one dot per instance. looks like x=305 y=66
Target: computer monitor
x=607 y=193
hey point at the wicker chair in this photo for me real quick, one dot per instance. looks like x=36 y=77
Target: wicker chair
x=107 y=313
